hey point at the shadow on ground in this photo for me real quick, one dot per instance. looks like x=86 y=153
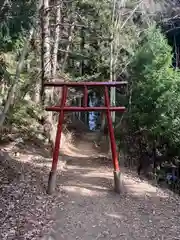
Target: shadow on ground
x=26 y=211
x=92 y=210
x=85 y=204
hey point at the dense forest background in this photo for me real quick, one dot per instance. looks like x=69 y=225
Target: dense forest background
x=82 y=40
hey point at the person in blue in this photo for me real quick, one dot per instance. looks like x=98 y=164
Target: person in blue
x=92 y=115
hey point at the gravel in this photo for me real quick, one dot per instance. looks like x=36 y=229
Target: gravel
x=93 y=210
x=85 y=206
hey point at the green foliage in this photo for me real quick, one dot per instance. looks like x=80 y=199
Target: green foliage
x=155 y=86
x=154 y=82
x=90 y=46
x=16 y=18
x=24 y=115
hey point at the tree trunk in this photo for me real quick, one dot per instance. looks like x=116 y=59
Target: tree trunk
x=56 y=39
x=82 y=49
x=82 y=34
x=48 y=71
x=79 y=105
x=68 y=46
x=54 y=62
x=46 y=98
x=45 y=50
x=19 y=68
x=112 y=62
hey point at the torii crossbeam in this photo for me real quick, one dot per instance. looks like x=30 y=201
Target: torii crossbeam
x=62 y=108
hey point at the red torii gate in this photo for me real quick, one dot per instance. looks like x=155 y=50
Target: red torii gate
x=62 y=108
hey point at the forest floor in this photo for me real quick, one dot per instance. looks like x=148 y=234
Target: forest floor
x=84 y=206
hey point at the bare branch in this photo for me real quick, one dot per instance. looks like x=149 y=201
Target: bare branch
x=68 y=46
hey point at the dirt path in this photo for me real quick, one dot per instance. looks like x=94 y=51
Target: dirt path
x=91 y=210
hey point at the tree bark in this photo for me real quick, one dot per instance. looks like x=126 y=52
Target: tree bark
x=112 y=77
x=12 y=89
x=71 y=29
x=56 y=40
x=45 y=50
x=47 y=97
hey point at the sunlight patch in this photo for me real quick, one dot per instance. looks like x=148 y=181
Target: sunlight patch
x=80 y=190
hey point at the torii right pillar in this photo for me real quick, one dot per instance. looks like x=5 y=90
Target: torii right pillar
x=117 y=172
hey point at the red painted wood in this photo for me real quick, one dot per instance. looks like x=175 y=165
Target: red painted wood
x=82 y=84
x=84 y=109
x=111 y=130
x=85 y=96
x=62 y=108
x=59 y=131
